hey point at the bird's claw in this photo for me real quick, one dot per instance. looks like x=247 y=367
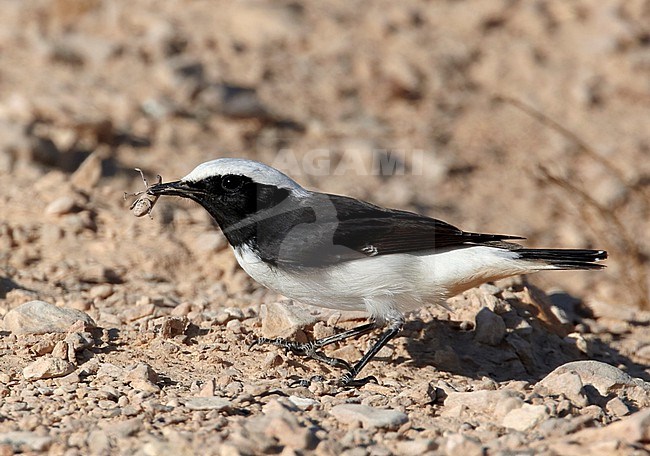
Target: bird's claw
x=257 y=341
x=348 y=380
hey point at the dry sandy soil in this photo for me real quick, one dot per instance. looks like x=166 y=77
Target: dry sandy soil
x=520 y=117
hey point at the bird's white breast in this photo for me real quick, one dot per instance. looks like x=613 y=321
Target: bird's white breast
x=386 y=284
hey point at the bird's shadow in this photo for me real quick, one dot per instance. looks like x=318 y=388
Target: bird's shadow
x=522 y=355
x=7 y=284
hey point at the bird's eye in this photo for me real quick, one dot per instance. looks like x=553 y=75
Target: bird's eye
x=231 y=183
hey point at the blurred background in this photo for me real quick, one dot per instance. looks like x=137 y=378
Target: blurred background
x=517 y=117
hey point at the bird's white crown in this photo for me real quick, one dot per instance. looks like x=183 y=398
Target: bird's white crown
x=258 y=172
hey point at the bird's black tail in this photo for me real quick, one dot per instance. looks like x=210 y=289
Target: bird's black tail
x=565 y=258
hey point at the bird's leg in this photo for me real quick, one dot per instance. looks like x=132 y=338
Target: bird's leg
x=311 y=348
x=349 y=378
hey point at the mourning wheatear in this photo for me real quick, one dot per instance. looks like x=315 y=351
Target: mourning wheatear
x=342 y=253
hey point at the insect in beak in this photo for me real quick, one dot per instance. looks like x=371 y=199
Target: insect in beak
x=145 y=201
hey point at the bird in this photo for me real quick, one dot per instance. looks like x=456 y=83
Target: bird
x=342 y=253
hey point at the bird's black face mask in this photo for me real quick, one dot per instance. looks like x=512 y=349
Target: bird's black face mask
x=236 y=203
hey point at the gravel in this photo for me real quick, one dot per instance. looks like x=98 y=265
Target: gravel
x=125 y=335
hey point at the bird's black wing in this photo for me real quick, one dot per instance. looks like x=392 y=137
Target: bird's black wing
x=327 y=229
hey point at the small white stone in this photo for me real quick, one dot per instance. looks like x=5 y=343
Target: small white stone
x=604 y=377
x=98 y=442
x=617 y=407
x=632 y=429
x=284 y=319
x=369 y=417
x=207 y=403
x=525 y=417
x=459 y=444
x=303 y=403
x=125 y=428
x=60 y=206
x=483 y=401
x=567 y=383
x=142 y=377
x=39 y=317
x=19 y=439
x=47 y=367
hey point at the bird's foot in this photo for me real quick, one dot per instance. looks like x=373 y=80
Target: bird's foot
x=307 y=349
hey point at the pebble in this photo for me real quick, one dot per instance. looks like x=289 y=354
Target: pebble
x=159 y=258
x=279 y=422
x=106 y=405
x=523 y=348
x=567 y=383
x=526 y=417
x=490 y=289
x=60 y=350
x=207 y=403
x=101 y=291
x=272 y=360
x=490 y=328
x=446 y=358
x=604 y=377
x=108 y=370
x=205 y=244
x=369 y=417
x=62 y=205
x=87 y=175
x=47 y=367
x=423 y=393
x=286 y=429
x=234 y=101
x=644 y=352
x=43 y=347
x=130 y=410
x=303 y=403
x=459 y=444
x=594 y=412
x=415 y=446
x=138 y=311
x=284 y=319
x=109 y=392
x=617 y=407
x=142 y=377
x=98 y=273
x=321 y=330
x=173 y=326
x=505 y=406
x=402 y=76
x=229 y=313
x=632 y=429
x=208 y=388
x=234 y=326
x=182 y=309
x=19 y=439
x=78 y=341
x=98 y=442
x=125 y=428
x=484 y=401
x=40 y=317
x=579 y=342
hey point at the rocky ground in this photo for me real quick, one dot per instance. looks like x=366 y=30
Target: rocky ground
x=130 y=335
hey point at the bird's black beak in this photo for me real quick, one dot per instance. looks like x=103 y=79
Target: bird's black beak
x=176 y=188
